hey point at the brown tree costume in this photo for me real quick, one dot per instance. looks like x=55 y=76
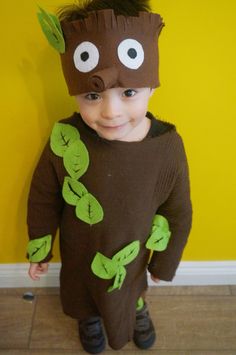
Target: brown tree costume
x=131 y=181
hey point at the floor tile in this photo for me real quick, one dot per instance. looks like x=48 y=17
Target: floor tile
x=14 y=352
x=51 y=328
x=233 y=289
x=47 y=291
x=190 y=290
x=15 y=321
x=54 y=330
x=191 y=322
x=34 y=290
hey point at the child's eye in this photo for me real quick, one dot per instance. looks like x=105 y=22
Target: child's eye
x=92 y=96
x=129 y=93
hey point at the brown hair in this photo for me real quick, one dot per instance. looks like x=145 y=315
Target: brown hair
x=81 y=9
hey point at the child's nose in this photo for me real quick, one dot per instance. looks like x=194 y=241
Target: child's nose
x=110 y=108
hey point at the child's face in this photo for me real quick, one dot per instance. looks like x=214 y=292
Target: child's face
x=116 y=114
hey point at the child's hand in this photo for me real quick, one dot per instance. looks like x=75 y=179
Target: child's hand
x=36 y=269
x=155 y=279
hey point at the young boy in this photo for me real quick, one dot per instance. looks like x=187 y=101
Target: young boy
x=113 y=178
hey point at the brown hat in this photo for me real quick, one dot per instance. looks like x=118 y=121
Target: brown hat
x=105 y=51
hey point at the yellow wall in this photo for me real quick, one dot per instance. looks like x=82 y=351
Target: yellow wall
x=198 y=76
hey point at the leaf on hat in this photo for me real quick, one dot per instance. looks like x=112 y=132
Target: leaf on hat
x=52 y=29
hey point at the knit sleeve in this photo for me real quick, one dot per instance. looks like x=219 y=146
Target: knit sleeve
x=177 y=209
x=44 y=209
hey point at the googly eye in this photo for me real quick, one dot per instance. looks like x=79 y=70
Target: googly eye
x=86 y=57
x=130 y=53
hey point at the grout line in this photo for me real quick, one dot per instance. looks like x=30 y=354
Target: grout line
x=231 y=290
x=32 y=320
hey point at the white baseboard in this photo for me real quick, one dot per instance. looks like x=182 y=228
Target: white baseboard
x=188 y=273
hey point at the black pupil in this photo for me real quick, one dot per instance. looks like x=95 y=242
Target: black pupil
x=84 y=56
x=132 y=53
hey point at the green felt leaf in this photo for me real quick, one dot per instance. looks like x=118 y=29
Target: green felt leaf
x=140 y=304
x=127 y=254
x=62 y=136
x=52 y=29
x=160 y=234
x=76 y=159
x=39 y=248
x=103 y=267
x=73 y=190
x=89 y=210
x=160 y=222
x=115 y=266
x=158 y=242
x=119 y=279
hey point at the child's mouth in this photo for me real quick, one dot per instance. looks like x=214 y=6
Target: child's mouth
x=114 y=127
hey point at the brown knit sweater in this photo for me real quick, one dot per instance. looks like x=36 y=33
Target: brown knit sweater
x=132 y=181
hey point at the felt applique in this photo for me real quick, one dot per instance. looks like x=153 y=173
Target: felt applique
x=39 y=248
x=62 y=136
x=89 y=210
x=76 y=159
x=65 y=142
x=106 y=268
x=131 y=53
x=139 y=304
x=52 y=29
x=86 y=57
x=160 y=234
x=73 y=190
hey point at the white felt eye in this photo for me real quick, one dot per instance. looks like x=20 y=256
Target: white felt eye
x=86 y=57
x=130 y=53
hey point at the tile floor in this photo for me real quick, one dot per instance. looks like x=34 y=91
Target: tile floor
x=199 y=320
